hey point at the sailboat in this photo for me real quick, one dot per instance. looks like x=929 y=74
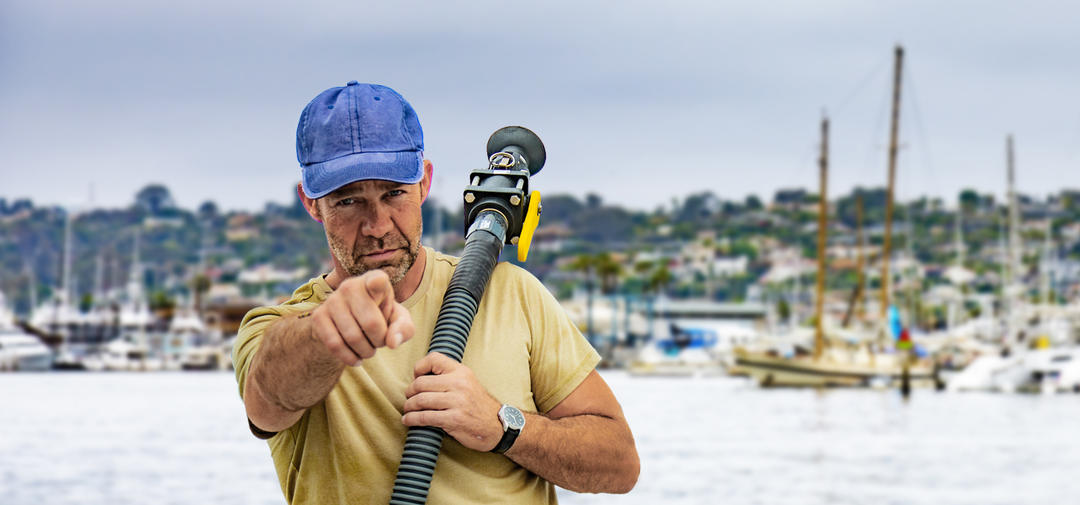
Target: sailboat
x=1047 y=363
x=835 y=365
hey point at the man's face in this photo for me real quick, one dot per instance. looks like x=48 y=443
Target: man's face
x=374 y=224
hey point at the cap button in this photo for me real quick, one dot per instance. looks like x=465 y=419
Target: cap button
x=351 y=83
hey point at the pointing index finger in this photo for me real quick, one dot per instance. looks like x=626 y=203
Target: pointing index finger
x=381 y=291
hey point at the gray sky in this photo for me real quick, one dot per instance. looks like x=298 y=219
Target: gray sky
x=637 y=101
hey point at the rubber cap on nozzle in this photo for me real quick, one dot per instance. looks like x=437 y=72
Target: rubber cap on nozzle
x=520 y=139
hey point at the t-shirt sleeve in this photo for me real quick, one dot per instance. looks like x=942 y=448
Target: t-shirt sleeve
x=560 y=356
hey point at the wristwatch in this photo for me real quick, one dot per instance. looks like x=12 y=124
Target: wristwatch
x=513 y=421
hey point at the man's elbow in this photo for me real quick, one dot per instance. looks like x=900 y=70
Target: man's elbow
x=623 y=474
x=264 y=413
x=628 y=476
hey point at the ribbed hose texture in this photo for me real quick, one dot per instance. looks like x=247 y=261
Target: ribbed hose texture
x=467 y=285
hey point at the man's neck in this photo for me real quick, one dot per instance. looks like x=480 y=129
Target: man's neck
x=402 y=290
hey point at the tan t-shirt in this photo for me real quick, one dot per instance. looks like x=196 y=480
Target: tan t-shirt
x=523 y=348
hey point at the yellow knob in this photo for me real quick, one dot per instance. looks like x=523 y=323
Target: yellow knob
x=532 y=220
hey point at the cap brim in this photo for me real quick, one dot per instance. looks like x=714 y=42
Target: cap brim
x=321 y=179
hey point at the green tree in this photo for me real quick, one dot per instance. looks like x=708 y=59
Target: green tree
x=609 y=271
x=660 y=279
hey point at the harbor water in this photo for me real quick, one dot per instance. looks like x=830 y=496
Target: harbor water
x=181 y=438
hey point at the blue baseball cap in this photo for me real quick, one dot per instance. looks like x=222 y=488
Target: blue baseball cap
x=358 y=132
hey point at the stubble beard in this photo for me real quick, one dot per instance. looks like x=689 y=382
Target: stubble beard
x=350 y=256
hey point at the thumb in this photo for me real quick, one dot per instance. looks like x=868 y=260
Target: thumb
x=435 y=363
x=401 y=327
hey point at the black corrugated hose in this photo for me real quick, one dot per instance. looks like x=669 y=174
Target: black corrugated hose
x=422 y=444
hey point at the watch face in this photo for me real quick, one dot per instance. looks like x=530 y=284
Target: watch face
x=512 y=417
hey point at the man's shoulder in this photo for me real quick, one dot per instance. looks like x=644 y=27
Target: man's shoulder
x=504 y=270
x=311 y=293
x=314 y=290
x=441 y=259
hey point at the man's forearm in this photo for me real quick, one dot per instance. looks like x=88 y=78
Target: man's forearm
x=585 y=453
x=289 y=373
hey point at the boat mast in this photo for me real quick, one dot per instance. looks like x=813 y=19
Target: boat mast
x=1014 y=215
x=1046 y=288
x=958 y=237
x=958 y=244
x=823 y=210
x=31 y=281
x=135 y=286
x=860 y=262
x=65 y=288
x=893 y=134
x=856 y=307
x=1013 y=262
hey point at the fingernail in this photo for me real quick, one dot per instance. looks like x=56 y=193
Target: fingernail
x=397 y=339
x=358 y=362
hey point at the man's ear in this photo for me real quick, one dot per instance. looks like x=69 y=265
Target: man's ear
x=425 y=183
x=309 y=203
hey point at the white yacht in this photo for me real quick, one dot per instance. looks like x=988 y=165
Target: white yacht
x=20 y=351
x=126 y=354
x=190 y=345
x=1040 y=370
x=1053 y=370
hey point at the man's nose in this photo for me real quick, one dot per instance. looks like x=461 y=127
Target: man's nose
x=378 y=222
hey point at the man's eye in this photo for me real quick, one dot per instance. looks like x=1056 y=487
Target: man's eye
x=345 y=201
x=395 y=192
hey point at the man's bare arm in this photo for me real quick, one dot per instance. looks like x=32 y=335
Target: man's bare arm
x=289 y=373
x=301 y=358
x=583 y=444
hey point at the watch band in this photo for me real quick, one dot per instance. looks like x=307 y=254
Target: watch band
x=513 y=421
x=507 y=441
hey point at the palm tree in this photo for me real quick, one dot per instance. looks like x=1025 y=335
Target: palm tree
x=710 y=245
x=660 y=279
x=609 y=271
x=642 y=267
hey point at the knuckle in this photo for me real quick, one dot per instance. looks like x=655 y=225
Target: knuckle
x=351 y=335
x=319 y=319
x=348 y=290
x=333 y=344
x=372 y=323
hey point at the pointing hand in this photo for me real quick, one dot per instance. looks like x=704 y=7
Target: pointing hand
x=360 y=317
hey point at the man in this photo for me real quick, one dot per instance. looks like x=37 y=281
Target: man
x=336 y=375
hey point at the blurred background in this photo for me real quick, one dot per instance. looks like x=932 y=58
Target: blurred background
x=782 y=320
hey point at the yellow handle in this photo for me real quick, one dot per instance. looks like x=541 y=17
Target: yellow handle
x=532 y=220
